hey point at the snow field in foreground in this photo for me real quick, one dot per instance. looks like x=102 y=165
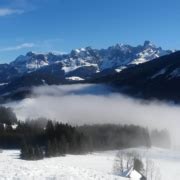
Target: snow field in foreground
x=95 y=166
x=71 y=167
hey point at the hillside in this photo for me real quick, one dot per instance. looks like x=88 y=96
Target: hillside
x=158 y=78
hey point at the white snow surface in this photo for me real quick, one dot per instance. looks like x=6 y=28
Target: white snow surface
x=75 y=78
x=161 y=72
x=120 y=69
x=95 y=166
x=73 y=65
x=3 y=84
x=175 y=73
x=146 y=55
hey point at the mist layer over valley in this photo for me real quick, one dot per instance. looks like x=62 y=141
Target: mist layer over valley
x=96 y=104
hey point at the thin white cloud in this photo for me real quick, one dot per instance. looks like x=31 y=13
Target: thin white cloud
x=10 y=11
x=18 y=47
x=20 y=6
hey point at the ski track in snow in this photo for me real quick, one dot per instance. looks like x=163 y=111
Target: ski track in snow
x=95 y=166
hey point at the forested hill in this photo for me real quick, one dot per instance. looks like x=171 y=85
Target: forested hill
x=42 y=137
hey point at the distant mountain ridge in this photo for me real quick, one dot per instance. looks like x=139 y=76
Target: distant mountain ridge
x=84 y=65
x=83 y=62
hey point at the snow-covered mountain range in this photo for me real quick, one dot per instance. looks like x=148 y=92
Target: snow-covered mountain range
x=145 y=68
x=83 y=62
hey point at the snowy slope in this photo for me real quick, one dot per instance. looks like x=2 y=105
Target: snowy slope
x=71 y=167
x=95 y=166
x=123 y=55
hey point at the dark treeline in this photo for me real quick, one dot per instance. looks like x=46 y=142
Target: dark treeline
x=110 y=136
x=44 y=138
x=55 y=139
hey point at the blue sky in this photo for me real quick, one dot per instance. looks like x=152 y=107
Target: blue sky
x=61 y=25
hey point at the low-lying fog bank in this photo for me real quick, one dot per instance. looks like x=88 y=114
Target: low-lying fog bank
x=92 y=104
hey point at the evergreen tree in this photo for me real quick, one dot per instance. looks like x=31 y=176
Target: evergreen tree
x=24 y=150
x=38 y=152
x=50 y=130
x=138 y=165
x=49 y=148
x=7 y=116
